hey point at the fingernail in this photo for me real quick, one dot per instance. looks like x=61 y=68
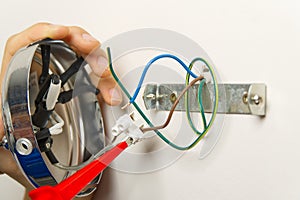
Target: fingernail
x=88 y=37
x=115 y=96
x=102 y=62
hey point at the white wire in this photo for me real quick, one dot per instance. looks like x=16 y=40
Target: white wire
x=58 y=124
x=52 y=96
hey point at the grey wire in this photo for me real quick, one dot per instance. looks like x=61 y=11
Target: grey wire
x=81 y=165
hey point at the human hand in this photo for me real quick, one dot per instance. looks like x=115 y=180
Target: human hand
x=83 y=44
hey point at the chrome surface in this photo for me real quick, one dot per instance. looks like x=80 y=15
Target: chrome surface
x=83 y=133
x=24 y=146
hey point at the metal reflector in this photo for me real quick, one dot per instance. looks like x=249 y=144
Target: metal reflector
x=68 y=134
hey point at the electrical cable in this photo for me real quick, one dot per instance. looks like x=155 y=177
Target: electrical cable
x=199 y=78
x=216 y=99
x=45 y=52
x=148 y=66
x=81 y=165
x=156 y=128
x=73 y=69
x=150 y=123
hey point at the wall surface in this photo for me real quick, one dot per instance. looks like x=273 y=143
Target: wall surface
x=248 y=41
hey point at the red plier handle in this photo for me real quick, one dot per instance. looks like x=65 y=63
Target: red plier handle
x=71 y=186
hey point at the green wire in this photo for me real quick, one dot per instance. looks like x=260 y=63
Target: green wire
x=200 y=88
x=149 y=122
x=216 y=100
x=187 y=107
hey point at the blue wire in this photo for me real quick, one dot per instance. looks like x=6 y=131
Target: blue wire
x=148 y=66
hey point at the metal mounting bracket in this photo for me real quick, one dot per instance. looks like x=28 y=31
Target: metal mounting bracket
x=233 y=98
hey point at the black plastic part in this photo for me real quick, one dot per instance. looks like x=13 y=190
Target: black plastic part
x=42 y=134
x=45 y=87
x=41 y=116
x=45 y=144
x=73 y=69
x=97 y=91
x=50 y=155
x=66 y=96
x=43 y=91
x=45 y=51
x=55 y=79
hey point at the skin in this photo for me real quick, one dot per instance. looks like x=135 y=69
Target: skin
x=83 y=44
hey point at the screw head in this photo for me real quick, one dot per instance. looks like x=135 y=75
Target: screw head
x=245 y=97
x=256 y=99
x=48 y=145
x=173 y=97
x=151 y=96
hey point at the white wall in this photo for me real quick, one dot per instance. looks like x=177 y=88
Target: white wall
x=249 y=41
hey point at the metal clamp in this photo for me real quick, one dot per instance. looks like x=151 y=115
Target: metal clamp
x=239 y=98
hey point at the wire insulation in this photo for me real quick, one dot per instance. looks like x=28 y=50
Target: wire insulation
x=173 y=106
x=202 y=134
x=148 y=66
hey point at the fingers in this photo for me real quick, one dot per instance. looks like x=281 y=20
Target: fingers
x=98 y=61
x=86 y=45
x=9 y=166
x=110 y=92
x=79 y=40
x=36 y=32
x=89 y=47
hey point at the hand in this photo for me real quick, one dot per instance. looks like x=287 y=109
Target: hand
x=81 y=42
